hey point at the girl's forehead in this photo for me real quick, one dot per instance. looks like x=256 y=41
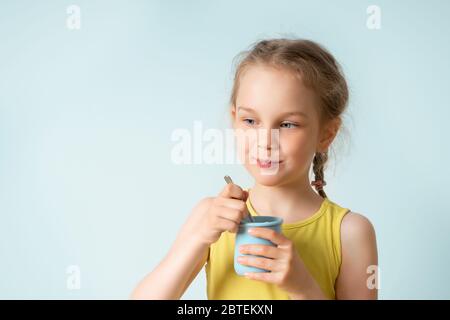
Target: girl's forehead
x=265 y=88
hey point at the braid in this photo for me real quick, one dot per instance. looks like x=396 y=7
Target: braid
x=320 y=158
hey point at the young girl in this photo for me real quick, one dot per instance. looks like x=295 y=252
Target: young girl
x=324 y=251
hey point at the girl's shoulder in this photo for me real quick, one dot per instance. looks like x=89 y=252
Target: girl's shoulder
x=351 y=222
x=356 y=226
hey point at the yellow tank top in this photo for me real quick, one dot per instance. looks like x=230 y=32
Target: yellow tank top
x=316 y=239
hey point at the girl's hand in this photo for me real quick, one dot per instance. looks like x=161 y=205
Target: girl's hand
x=223 y=213
x=288 y=271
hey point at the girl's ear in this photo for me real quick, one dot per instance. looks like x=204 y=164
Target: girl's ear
x=328 y=134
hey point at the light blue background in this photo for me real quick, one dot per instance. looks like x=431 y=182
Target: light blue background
x=86 y=119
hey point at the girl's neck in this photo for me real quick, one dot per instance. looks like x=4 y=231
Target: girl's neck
x=292 y=202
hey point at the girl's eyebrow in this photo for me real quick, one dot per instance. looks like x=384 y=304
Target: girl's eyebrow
x=246 y=109
x=288 y=113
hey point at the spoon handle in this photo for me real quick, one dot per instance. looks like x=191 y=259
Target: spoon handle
x=228 y=180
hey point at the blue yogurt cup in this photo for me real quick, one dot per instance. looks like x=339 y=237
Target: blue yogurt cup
x=243 y=237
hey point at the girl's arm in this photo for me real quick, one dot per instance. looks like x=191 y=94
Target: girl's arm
x=181 y=265
x=208 y=220
x=359 y=259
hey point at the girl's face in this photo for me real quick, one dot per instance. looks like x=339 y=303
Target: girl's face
x=276 y=121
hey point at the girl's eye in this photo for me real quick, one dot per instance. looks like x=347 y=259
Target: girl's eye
x=249 y=121
x=288 y=125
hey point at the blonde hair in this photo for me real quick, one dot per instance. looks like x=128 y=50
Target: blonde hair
x=318 y=70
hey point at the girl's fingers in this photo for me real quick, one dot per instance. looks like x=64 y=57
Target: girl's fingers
x=260 y=250
x=230 y=214
x=263 y=263
x=233 y=203
x=227 y=224
x=269 y=234
x=268 y=277
x=232 y=190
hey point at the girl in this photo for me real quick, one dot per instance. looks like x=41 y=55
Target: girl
x=324 y=251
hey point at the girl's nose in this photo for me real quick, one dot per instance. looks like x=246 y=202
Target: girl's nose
x=268 y=138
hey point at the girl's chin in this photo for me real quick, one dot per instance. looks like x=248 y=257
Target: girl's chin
x=267 y=177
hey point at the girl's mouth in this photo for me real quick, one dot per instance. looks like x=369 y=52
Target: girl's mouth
x=265 y=164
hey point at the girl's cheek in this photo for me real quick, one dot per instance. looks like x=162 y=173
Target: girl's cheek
x=296 y=145
x=246 y=145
